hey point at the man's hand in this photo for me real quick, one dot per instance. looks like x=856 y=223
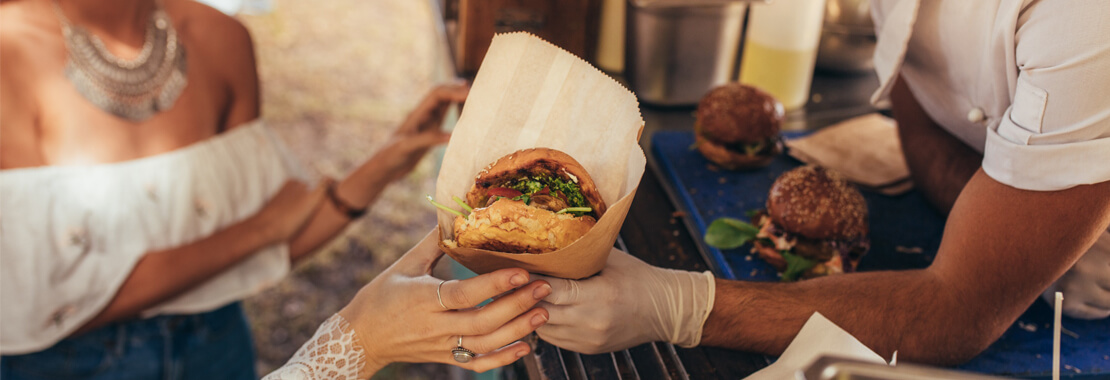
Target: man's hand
x=628 y=303
x=1086 y=286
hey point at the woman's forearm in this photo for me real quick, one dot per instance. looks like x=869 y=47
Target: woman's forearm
x=162 y=275
x=360 y=189
x=419 y=133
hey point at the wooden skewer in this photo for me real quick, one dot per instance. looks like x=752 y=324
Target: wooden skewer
x=1056 y=338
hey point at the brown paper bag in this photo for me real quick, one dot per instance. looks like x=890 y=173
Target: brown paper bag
x=529 y=93
x=864 y=149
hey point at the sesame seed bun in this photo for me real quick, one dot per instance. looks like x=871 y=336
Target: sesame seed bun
x=817 y=203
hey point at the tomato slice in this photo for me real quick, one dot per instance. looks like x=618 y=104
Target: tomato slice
x=502 y=192
x=544 y=191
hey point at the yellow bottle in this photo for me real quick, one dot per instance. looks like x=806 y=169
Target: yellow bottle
x=781 y=48
x=610 y=41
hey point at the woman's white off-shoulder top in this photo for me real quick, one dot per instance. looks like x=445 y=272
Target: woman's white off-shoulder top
x=70 y=235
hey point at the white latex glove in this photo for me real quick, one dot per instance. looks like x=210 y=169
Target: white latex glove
x=627 y=304
x=1086 y=286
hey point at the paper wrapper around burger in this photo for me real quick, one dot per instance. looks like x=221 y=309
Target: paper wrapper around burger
x=529 y=93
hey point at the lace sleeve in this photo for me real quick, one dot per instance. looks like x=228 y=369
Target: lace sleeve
x=331 y=354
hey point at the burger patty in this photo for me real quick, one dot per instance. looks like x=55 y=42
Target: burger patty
x=850 y=251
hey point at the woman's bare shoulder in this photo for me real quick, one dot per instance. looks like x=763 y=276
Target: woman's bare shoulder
x=213 y=29
x=222 y=44
x=25 y=26
x=31 y=47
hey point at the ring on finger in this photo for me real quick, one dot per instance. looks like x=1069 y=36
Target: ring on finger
x=439 y=297
x=461 y=354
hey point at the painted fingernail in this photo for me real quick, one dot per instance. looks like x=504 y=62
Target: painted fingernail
x=541 y=291
x=517 y=280
x=538 y=320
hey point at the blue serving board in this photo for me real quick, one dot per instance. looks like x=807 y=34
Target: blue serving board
x=905 y=234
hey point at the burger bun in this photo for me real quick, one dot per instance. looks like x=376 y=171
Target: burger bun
x=817 y=203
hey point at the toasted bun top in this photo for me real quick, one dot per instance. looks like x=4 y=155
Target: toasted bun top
x=533 y=162
x=818 y=204
x=737 y=113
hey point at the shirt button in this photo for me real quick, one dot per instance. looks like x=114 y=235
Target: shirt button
x=975 y=115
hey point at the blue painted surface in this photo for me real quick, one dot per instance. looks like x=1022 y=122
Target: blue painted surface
x=905 y=234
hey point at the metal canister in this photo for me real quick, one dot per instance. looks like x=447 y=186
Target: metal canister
x=676 y=51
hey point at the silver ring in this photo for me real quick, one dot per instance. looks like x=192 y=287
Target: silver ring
x=461 y=354
x=439 y=298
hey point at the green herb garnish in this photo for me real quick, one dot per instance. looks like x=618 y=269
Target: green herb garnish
x=729 y=233
x=795 y=265
x=462 y=203
x=569 y=190
x=441 y=206
x=751 y=214
x=526 y=185
x=526 y=198
x=753 y=148
x=578 y=211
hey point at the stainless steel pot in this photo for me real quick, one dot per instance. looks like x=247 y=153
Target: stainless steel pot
x=675 y=53
x=847 y=38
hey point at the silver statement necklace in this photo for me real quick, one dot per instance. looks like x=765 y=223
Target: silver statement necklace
x=134 y=89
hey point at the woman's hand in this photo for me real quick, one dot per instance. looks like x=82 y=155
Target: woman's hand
x=286 y=213
x=398 y=318
x=420 y=131
x=409 y=143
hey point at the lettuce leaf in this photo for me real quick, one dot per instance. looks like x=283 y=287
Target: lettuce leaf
x=795 y=266
x=729 y=233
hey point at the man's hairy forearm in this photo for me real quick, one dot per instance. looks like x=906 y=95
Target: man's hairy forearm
x=940 y=164
x=878 y=308
x=1001 y=247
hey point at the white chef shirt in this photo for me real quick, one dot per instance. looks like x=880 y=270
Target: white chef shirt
x=70 y=235
x=1026 y=83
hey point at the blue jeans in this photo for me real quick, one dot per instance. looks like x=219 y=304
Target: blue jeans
x=212 y=345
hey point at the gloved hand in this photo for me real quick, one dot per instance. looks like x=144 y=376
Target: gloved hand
x=628 y=303
x=1086 y=286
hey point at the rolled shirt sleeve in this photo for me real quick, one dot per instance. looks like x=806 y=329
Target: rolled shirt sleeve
x=1056 y=132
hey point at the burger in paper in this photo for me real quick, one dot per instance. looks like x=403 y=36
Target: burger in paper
x=542 y=166
x=531 y=201
x=528 y=203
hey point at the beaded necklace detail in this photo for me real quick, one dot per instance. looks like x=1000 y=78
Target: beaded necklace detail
x=134 y=89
